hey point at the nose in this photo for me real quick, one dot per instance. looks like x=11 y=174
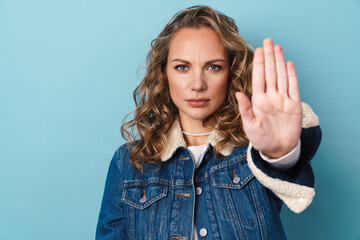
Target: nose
x=199 y=81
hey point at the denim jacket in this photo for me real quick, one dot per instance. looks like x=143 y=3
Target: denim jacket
x=236 y=197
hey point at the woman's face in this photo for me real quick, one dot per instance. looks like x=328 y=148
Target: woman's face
x=198 y=71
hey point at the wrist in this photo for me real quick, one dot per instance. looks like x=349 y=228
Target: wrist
x=280 y=152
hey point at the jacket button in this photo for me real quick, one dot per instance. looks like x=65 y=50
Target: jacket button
x=203 y=232
x=198 y=190
x=143 y=199
x=236 y=180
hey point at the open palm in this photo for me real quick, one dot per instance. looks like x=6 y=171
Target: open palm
x=272 y=119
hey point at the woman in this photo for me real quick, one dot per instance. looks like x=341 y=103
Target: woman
x=202 y=160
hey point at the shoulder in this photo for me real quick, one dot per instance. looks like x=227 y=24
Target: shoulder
x=311 y=132
x=121 y=157
x=123 y=149
x=310 y=119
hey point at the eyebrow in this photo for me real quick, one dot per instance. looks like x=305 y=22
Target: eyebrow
x=206 y=63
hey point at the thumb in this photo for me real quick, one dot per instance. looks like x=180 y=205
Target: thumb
x=245 y=107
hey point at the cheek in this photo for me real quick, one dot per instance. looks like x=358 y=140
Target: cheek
x=172 y=85
x=177 y=85
x=223 y=93
x=176 y=91
x=222 y=89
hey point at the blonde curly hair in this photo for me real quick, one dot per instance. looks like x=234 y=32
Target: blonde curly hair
x=155 y=112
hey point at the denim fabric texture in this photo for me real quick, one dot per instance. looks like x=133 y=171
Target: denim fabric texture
x=225 y=198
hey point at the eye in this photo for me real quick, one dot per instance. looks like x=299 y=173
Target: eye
x=214 y=67
x=181 y=68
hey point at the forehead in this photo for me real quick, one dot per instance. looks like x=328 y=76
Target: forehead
x=200 y=42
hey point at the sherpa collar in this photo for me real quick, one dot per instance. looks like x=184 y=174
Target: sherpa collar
x=176 y=139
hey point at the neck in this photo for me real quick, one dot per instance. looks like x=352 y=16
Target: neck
x=196 y=127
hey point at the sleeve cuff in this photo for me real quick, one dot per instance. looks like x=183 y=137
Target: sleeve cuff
x=285 y=162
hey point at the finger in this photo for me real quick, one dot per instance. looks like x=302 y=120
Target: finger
x=282 y=78
x=258 y=77
x=293 y=82
x=245 y=108
x=270 y=71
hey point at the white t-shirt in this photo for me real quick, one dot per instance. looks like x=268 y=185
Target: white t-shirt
x=283 y=163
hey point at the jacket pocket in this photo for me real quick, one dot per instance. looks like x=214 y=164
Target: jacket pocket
x=232 y=178
x=241 y=200
x=141 y=196
x=145 y=207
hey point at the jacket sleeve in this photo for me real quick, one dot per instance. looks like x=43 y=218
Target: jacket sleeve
x=295 y=187
x=111 y=222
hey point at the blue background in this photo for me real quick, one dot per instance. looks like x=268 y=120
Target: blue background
x=67 y=73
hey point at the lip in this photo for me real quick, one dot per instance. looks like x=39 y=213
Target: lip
x=198 y=102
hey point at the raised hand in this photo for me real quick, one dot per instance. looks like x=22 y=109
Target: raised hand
x=272 y=120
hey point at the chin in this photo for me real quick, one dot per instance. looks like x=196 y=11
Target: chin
x=199 y=116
